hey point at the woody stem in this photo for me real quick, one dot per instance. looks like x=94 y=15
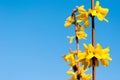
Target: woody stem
x=93 y=42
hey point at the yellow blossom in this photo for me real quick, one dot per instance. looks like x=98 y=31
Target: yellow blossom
x=97 y=53
x=99 y=12
x=74 y=76
x=83 y=17
x=70 y=18
x=71 y=38
x=69 y=21
x=71 y=58
x=86 y=77
x=83 y=75
x=82 y=59
x=81 y=56
x=68 y=24
x=81 y=35
x=104 y=54
x=89 y=51
x=104 y=62
x=81 y=9
x=89 y=55
x=86 y=23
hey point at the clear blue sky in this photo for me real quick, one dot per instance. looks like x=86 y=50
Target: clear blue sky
x=33 y=39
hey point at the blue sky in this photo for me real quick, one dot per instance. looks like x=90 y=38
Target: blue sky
x=33 y=39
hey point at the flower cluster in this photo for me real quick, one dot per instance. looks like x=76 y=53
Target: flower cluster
x=83 y=15
x=99 y=54
x=92 y=56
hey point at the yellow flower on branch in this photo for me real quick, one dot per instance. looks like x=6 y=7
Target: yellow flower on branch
x=83 y=75
x=81 y=56
x=104 y=62
x=104 y=53
x=74 y=76
x=71 y=38
x=83 y=17
x=99 y=12
x=69 y=21
x=81 y=9
x=68 y=24
x=86 y=77
x=90 y=55
x=82 y=59
x=97 y=53
x=71 y=58
x=89 y=50
x=70 y=18
x=81 y=35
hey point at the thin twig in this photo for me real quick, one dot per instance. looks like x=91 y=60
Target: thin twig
x=77 y=42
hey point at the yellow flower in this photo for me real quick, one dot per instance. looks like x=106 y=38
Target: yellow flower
x=71 y=38
x=81 y=35
x=83 y=75
x=68 y=24
x=86 y=23
x=81 y=9
x=86 y=77
x=104 y=54
x=89 y=51
x=69 y=21
x=74 y=76
x=84 y=57
x=70 y=18
x=99 y=12
x=97 y=53
x=83 y=17
x=71 y=58
x=104 y=62
x=90 y=55
x=81 y=56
